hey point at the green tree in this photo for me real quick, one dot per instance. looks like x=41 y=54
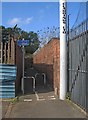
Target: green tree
x=4 y=33
x=34 y=43
x=18 y=33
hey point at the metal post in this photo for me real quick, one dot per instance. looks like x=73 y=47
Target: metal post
x=68 y=58
x=63 y=50
x=87 y=57
x=23 y=67
x=44 y=78
x=33 y=84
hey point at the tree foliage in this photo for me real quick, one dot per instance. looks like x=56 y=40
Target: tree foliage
x=18 y=33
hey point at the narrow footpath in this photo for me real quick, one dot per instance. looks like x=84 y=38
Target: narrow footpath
x=42 y=103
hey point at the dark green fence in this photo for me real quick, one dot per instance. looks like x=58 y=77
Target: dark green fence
x=78 y=65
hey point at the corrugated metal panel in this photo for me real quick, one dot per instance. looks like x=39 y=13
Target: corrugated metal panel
x=7 y=80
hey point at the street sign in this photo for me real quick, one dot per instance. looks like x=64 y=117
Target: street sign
x=23 y=42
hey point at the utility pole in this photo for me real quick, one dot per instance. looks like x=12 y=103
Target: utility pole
x=63 y=49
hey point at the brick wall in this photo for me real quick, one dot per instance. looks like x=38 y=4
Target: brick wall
x=47 y=60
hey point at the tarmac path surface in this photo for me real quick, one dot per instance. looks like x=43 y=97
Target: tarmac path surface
x=43 y=105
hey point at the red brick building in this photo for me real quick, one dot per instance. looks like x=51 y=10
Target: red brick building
x=47 y=60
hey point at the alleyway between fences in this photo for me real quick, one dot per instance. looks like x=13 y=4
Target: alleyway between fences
x=42 y=103
x=44 y=60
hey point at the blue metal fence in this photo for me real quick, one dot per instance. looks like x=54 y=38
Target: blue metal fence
x=7 y=80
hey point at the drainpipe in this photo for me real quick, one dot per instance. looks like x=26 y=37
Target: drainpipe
x=63 y=49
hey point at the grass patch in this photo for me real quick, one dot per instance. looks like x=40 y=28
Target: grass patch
x=14 y=100
x=68 y=96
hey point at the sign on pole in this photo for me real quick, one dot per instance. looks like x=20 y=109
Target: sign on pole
x=23 y=42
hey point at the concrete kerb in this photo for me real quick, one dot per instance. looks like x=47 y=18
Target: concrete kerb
x=0 y=110
x=9 y=110
x=9 y=106
x=73 y=104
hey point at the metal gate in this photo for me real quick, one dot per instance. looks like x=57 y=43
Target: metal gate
x=78 y=65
